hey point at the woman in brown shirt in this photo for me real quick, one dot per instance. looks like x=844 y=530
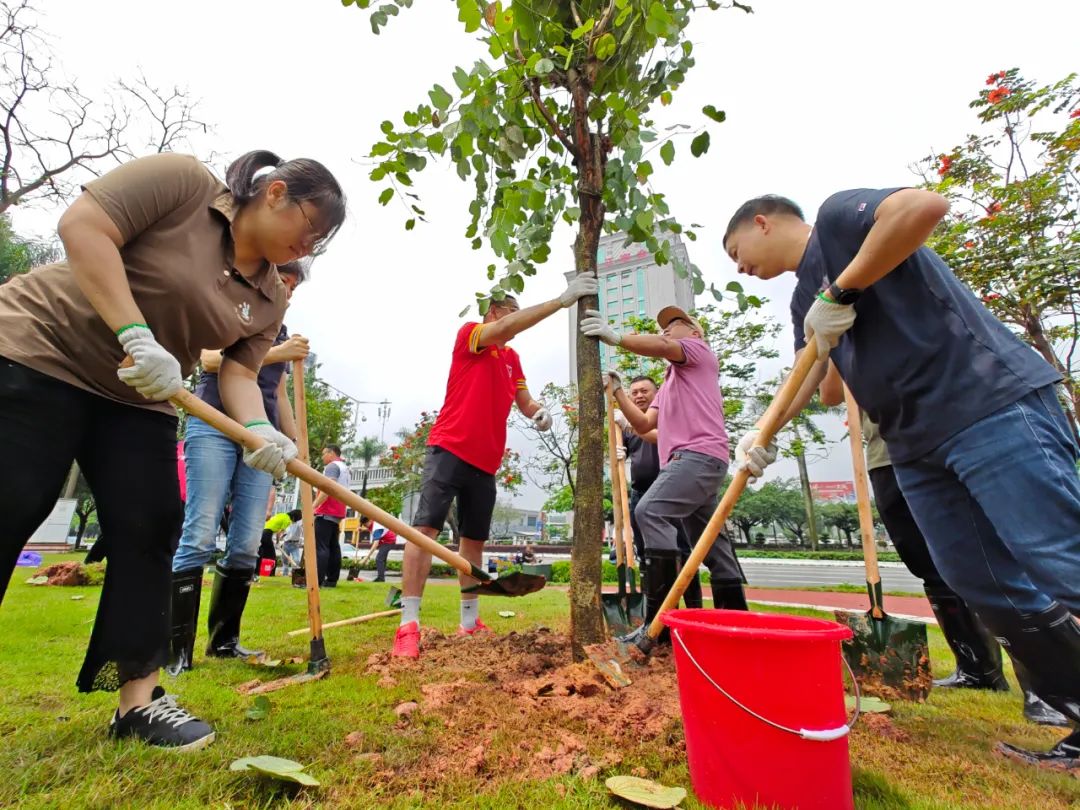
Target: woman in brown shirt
x=163 y=260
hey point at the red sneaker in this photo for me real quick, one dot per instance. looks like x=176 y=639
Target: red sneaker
x=479 y=628
x=407 y=641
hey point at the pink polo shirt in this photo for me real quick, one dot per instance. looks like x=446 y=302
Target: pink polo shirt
x=691 y=408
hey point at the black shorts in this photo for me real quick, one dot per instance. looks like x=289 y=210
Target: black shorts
x=445 y=477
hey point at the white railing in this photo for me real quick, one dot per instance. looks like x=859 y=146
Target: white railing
x=376 y=476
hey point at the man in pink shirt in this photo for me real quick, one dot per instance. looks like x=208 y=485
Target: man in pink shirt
x=688 y=414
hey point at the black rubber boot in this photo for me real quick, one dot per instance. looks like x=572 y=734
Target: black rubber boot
x=692 y=595
x=663 y=567
x=1047 y=645
x=227 y=603
x=186 y=592
x=978 y=657
x=728 y=595
x=1036 y=710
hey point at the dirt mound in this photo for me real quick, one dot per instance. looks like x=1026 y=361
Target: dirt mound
x=66 y=573
x=517 y=706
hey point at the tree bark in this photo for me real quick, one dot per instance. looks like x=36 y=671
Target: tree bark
x=586 y=618
x=1034 y=328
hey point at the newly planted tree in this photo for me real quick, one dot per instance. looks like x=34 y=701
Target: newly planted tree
x=554 y=127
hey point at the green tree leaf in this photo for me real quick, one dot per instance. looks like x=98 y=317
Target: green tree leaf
x=700 y=145
x=386 y=196
x=604 y=47
x=667 y=152
x=543 y=67
x=719 y=116
x=440 y=98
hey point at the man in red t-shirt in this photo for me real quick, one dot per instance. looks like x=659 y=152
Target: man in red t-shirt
x=466 y=446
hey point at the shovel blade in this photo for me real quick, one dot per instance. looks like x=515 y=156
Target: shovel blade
x=610 y=659
x=515 y=584
x=890 y=657
x=615 y=614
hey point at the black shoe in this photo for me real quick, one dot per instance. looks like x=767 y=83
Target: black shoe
x=1047 y=648
x=662 y=568
x=1065 y=756
x=379 y=579
x=1036 y=710
x=186 y=592
x=728 y=596
x=164 y=724
x=978 y=656
x=227 y=601
x=692 y=595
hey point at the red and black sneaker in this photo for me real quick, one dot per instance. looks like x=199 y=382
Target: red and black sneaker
x=479 y=627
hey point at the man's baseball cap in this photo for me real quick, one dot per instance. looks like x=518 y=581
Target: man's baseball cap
x=673 y=313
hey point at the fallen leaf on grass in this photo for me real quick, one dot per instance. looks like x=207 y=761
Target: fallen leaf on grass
x=38 y=580
x=259 y=709
x=277 y=768
x=869 y=705
x=507 y=614
x=260 y=660
x=645 y=792
x=77 y=598
x=354 y=739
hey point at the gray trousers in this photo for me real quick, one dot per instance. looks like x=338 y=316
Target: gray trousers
x=686 y=493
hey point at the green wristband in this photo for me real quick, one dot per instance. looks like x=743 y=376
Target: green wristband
x=123 y=329
x=254 y=422
x=822 y=296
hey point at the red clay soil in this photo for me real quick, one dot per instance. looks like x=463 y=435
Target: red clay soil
x=516 y=707
x=65 y=573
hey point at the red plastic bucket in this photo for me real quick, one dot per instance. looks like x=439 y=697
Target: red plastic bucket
x=778 y=737
x=266 y=567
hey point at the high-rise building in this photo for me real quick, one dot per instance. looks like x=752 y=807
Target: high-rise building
x=632 y=284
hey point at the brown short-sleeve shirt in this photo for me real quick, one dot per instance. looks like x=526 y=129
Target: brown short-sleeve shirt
x=174 y=216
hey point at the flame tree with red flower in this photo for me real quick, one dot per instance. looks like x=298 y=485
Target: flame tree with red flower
x=1013 y=230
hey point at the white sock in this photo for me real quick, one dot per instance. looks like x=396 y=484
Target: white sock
x=470 y=612
x=410 y=609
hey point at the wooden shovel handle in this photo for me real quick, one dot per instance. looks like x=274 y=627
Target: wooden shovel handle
x=311 y=569
x=862 y=496
x=241 y=435
x=771 y=422
x=628 y=527
x=616 y=495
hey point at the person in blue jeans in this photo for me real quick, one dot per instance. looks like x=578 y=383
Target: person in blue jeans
x=980 y=445
x=216 y=475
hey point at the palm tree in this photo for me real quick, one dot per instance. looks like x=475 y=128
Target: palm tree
x=369 y=448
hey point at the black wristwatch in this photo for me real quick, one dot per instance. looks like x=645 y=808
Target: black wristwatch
x=845 y=297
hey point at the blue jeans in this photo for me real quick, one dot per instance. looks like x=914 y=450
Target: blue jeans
x=999 y=504
x=215 y=472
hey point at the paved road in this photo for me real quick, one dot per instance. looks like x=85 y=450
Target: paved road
x=799 y=574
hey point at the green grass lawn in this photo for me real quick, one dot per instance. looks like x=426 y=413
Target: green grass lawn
x=56 y=754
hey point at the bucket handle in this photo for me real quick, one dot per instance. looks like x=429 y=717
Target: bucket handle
x=819 y=735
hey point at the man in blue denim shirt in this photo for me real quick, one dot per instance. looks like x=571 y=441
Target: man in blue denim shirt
x=955 y=394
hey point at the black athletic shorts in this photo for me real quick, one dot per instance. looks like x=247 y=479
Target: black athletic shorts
x=445 y=477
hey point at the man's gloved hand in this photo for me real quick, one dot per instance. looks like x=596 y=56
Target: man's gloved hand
x=579 y=287
x=594 y=325
x=542 y=419
x=272 y=456
x=826 y=322
x=154 y=372
x=613 y=382
x=620 y=453
x=753 y=459
x=620 y=420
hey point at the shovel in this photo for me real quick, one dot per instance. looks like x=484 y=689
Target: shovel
x=516 y=584
x=616 y=607
x=635 y=602
x=612 y=657
x=889 y=656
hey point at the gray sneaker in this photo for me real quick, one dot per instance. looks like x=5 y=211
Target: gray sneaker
x=164 y=724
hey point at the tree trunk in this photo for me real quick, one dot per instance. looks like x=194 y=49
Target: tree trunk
x=808 y=501
x=1034 y=328
x=586 y=618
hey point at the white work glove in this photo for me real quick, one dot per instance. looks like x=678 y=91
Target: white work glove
x=620 y=453
x=753 y=459
x=826 y=322
x=614 y=382
x=272 y=456
x=542 y=419
x=620 y=420
x=579 y=287
x=594 y=325
x=154 y=372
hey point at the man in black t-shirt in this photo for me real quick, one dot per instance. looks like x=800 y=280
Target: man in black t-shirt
x=957 y=397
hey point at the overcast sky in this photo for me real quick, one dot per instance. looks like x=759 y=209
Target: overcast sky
x=819 y=97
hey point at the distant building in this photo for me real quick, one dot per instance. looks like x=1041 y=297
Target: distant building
x=632 y=284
